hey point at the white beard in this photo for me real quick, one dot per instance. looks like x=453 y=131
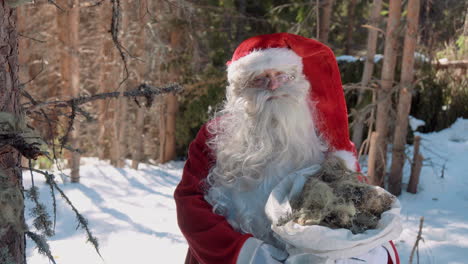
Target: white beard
x=257 y=142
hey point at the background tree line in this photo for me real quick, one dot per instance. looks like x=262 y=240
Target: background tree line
x=72 y=48
x=67 y=51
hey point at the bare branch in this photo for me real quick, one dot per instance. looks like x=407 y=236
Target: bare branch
x=115 y=27
x=143 y=90
x=418 y=238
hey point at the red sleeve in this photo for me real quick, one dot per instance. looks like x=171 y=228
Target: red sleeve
x=210 y=237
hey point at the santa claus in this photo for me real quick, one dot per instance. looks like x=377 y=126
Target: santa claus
x=284 y=111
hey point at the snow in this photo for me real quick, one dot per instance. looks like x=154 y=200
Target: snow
x=346 y=58
x=377 y=57
x=132 y=212
x=415 y=123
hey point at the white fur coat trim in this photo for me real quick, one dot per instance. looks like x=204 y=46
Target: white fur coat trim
x=260 y=60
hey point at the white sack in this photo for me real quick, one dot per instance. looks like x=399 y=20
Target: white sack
x=320 y=244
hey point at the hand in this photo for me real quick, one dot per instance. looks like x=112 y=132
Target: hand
x=255 y=251
x=268 y=254
x=377 y=255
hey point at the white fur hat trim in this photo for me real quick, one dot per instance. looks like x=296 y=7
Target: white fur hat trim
x=260 y=60
x=348 y=157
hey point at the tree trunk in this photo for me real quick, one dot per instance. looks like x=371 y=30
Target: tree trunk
x=73 y=28
x=168 y=148
x=415 y=167
x=385 y=90
x=106 y=81
x=141 y=69
x=121 y=110
x=404 y=103
x=68 y=24
x=372 y=37
x=350 y=29
x=325 y=18
x=168 y=138
x=12 y=241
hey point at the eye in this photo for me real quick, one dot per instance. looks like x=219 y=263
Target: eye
x=259 y=81
x=285 y=77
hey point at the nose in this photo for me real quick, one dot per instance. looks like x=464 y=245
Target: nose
x=273 y=84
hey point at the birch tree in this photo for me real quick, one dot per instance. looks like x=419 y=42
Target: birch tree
x=372 y=37
x=376 y=169
x=404 y=103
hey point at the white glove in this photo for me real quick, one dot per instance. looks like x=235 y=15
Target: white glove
x=377 y=255
x=255 y=251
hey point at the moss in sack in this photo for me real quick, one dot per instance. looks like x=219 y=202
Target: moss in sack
x=335 y=198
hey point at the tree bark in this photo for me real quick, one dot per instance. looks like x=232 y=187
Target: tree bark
x=168 y=116
x=384 y=92
x=404 y=103
x=325 y=18
x=350 y=29
x=68 y=23
x=372 y=37
x=415 y=167
x=371 y=161
x=141 y=69
x=121 y=110
x=73 y=28
x=106 y=81
x=168 y=147
x=12 y=240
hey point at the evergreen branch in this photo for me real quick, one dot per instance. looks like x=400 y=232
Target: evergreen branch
x=41 y=218
x=42 y=245
x=82 y=222
x=52 y=193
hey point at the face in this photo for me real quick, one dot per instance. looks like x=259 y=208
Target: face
x=273 y=89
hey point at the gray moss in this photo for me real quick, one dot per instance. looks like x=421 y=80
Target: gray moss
x=334 y=197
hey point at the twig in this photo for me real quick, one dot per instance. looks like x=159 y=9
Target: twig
x=115 y=27
x=56 y=5
x=418 y=238
x=88 y=4
x=22 y=85
x=31 y=38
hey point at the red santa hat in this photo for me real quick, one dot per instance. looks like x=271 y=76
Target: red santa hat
x=281 y=51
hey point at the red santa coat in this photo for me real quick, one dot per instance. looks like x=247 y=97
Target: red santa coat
x=210 y=237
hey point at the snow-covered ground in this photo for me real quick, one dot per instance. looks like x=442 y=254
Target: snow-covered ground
x=132 y=212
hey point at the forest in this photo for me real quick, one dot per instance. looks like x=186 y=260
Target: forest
x=131 y=82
